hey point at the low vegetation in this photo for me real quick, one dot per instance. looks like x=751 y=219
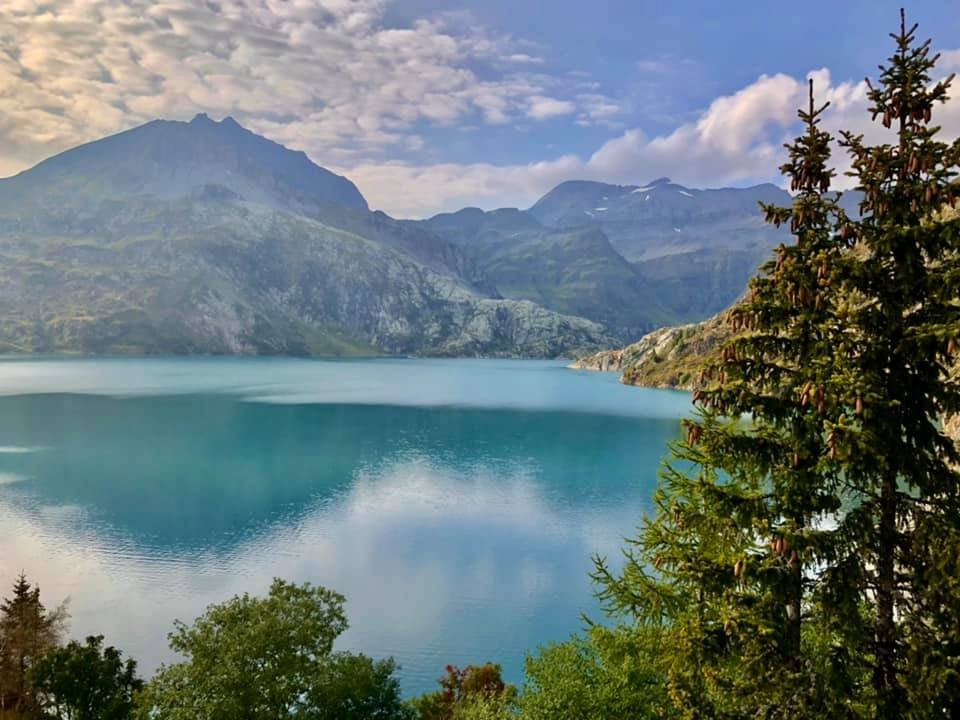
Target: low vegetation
x=670 y=357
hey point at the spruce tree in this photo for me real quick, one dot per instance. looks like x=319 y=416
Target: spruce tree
x=27 y=632
x=725 y=563
x=820 y=433
x=903 y=324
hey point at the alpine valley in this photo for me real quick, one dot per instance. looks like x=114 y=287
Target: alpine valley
x=203 y=237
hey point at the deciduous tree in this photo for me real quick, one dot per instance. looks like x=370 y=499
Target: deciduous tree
x=86 y=682
x=269 y=658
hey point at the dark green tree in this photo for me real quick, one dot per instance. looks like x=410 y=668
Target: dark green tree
x=903 y=323
x=27 y=632
x=269 y=659
x=805 y=550
x=726 y=563
x=86 y=682
x=356 y=687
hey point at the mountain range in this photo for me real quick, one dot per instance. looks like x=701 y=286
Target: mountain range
x=203 y=237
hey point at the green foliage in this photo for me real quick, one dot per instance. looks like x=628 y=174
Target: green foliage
x=902 y=321
x=476 y=691
x=430 y=706
x=86 y=682
x=27 y=632
x=487 y=708
x=608 y=675
x=802 y=557
x=270 y=659
x=356 y=687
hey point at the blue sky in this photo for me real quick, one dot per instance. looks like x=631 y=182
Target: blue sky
x=665 y=61
x=430 y=106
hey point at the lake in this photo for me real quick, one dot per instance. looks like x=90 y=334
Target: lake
x=456 y=503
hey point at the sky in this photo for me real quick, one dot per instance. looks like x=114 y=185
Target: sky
x=431 y=105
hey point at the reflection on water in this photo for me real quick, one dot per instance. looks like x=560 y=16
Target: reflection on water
x=459 y=532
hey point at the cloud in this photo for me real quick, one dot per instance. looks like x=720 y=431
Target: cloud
x=523 y=58
x=325 y=76
x=597 y=109
x=541 y=107
x=950 y=60
x=332 y=78
x=737 y=139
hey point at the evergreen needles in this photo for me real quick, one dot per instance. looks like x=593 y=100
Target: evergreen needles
x=804 y=553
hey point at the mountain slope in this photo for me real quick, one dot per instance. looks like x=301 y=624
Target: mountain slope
x=669 y=357
x=663 y=218
x=699 y=283
x=573 y=271
x=168 y=159
x=630 y=257
x=202 y=237
x=240 y=278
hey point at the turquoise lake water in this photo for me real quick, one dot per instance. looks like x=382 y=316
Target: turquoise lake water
x=456 y=503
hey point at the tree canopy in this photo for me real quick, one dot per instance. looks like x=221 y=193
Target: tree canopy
x=270 y=658
x=86 y=682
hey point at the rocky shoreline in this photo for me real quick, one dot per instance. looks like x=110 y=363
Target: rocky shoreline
x=669 y=357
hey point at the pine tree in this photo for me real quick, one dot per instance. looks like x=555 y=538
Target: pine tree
x=820 y=433
x=740 y=513
x=903 y=323
x=27 y=631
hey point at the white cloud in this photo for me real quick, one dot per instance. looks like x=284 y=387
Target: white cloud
x=326 y=76
x=523 y=58
x=738 y=139
x=541 y=107
x=598 y=106
x=329 y=77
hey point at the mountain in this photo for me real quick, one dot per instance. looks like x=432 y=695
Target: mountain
x=574 y=271
x=632 y=258
x=202 y=237
x=166 y=159
x=694 y=249
x=697 y=284
x=663 y=218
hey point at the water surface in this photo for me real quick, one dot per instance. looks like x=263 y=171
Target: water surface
x=456 y=503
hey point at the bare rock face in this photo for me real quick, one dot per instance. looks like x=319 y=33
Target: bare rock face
x=666 y=358
x=603 y=361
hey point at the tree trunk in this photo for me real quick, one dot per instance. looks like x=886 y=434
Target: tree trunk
x=886 y=685
x=794 y=606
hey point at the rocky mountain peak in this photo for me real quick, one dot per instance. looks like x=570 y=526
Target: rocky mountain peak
x=167 y=159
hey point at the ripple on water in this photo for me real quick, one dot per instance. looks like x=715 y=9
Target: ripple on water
x=457 y=513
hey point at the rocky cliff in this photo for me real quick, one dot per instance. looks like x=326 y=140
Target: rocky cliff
x=666 y=358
